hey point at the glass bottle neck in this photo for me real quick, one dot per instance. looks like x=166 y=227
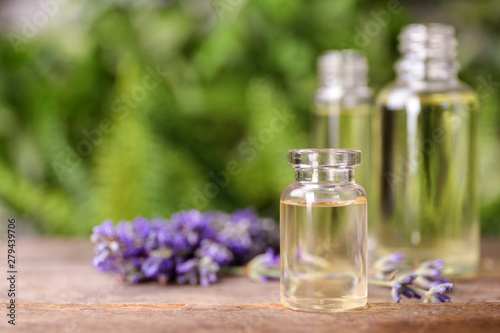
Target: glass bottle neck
x=342 y=69
x=428 y=55
x=414 y=71
x=327 y=174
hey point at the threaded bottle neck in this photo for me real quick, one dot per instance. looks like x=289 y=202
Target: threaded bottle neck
x=324 y=174
x=346 y=68
x=428 y=54
x=324 y=165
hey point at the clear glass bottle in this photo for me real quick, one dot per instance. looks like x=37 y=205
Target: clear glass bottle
x=342 y=106
x=425 y=137
x=342 y=113
x=323 y=232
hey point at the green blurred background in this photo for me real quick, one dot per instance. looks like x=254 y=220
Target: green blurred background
x=112 y=109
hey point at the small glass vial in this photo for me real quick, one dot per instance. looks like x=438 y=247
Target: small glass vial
x=323 y=233
x=425 y=131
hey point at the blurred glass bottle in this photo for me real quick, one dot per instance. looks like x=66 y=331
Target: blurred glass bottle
x=341 y=116
x=425 y=153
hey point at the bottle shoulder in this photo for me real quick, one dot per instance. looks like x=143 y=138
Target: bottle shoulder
x=323 y=192
x=341 y=95
x=397 y=96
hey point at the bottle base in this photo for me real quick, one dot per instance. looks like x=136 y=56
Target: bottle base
x=325 y=305
x=459 y=263
x=461 y=271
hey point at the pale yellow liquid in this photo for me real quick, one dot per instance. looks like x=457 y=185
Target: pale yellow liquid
x=345 y=128
x=425 y=180
x=323 y=255
x=349 y=128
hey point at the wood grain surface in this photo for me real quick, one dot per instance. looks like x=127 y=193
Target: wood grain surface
x=264 y=317
x=59 y=291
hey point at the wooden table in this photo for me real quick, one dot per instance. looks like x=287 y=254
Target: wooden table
x=59 y=291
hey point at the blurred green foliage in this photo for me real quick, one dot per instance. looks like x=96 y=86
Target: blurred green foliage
x=115 y=109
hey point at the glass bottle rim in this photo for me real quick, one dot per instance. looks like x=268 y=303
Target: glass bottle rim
x=324 y=158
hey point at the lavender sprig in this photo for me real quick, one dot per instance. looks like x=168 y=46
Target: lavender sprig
x=430 y=274
x=436 y=293
x=426 y=280
x=386 y=266
x=264 y=267
x=191 y=247
x=402 y=286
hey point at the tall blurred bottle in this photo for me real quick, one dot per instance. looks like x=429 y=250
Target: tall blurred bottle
x=342 y=112
x=425 y=153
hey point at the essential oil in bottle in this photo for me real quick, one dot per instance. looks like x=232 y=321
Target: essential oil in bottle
x=425 y=134
x=323 y=233
x=342 y=113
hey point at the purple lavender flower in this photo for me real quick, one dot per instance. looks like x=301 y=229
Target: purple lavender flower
x=271 y=258
x=244 y=214
x=159 y=263
x=103 y=232
x=131 y=270
x=125 y=234
x=264 y=233
x=141 y=228
x=217 y=252
x=245 y=234
x=237 y=238
x=207 y=269
x=106 y=258
x=402 y=286
x=131 y=238
x=158 y=236
x=187 y=271
x=189 y=248
x=388 y=265
x=430 y=274
x=107 y=249
x=436 y=293
x=193 y=226
x=264 y=267
x=426 y=279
